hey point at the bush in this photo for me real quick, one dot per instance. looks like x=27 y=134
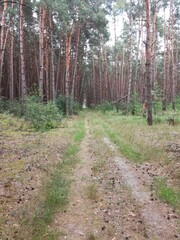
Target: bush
x=61 y=103
x=76 y=107
x=106 y=106
x=2 y=105
x=42 y=116
x=14 y=107
x=11 y=107
x=123 y=107
x=135 y=105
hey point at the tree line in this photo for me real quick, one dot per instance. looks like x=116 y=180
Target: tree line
x=61 y=47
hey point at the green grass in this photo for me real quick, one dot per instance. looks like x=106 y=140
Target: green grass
x=110 y=128
x=167 y=194
x=57 y=189
x=128 y=150
x=56 y=197
x=135 y=140
x=79 y=135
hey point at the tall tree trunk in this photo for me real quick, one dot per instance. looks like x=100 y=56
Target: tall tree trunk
x=11 y=84
x=154 y=45
x=75 y=68
x=23 y=77
x=42 y=14
x=164 y=101
x=100 y=73
x=47 y=90
x=58 y=67
x=172 y=55
x=68 y=51
x=148 y=64
x=105 y=75
x=130 y=60
x=2 y=42
x=122 y=75
x=137 y=54
x=52 y=59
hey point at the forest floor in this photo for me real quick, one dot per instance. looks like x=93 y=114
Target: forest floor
x=116 y=173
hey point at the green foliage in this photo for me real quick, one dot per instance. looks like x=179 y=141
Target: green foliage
x=42 y=116
x=166 y=193
x=11 y=107
x=157 y=95
x=135 y=106
x=123 y=107
x=14 y=107
x=177 y=102
x=76 y=107
x=105 y=106
x=2 y=105
x=61 y=103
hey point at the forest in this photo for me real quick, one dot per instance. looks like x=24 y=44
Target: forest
x=80 y=80
x=61 y=50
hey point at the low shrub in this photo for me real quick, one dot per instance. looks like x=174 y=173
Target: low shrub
x=61 y=103
x=42 y=116
x=106 y=106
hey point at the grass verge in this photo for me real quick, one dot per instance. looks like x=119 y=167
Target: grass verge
x=57 y=189
x=112 y=131
x=167 y=194
x=133 y=137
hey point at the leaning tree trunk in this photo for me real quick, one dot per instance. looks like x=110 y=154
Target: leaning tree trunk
x=148 y=65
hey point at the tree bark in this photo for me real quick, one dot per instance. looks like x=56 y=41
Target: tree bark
x=130 y=60
x=11 y=85
x=75 y=68
x=3 y=40
x=148 y=65
x=68 y=51
x=23 y=77
x=173 y=79
x=42 y=13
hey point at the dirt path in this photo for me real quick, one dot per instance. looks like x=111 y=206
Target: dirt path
x=111 y=199
x=161 y=219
